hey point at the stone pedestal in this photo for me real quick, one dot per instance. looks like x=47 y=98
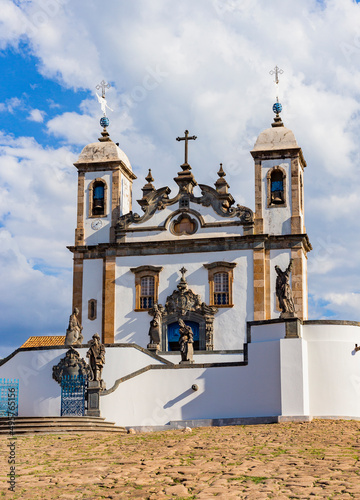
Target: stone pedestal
x=153 y=347
x=287 y=315
x=93 y=399
x=187 y=362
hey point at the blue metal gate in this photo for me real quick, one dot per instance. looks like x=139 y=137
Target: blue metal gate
x=9 y=397
x=73 y=395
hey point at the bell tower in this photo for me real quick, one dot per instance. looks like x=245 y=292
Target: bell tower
x=105 y=180
x=279 y=216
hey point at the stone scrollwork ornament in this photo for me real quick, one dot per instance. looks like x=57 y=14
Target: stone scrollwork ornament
x=71 y=365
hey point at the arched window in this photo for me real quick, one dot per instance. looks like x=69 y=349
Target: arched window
x=147 y=292
x=276 y=186
x=97 y=198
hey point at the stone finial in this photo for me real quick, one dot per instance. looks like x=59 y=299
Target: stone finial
x=149 y=177
x=147 y=190
x=105 y=137
x=221 y=185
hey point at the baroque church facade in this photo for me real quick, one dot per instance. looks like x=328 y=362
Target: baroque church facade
x=193 y=260
x=126 y=263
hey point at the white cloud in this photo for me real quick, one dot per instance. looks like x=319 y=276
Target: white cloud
x=36 y=115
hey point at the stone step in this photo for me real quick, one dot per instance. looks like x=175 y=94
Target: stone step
x=56 y=430
x=23 y=425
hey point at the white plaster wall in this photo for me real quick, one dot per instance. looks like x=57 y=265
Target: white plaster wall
x=267 y=332
x=294 y=377
x=316 y=375
x=40 y=395
x=205 y=232
x=125 y=205
x=277 y=220
x=229 y=324
x=92 y=289
x=334 y=369
x=101 y=235
x=159 y=396
x=279 y=258
x=209 y=357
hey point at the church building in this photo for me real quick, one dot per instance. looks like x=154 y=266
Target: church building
x=200 y=304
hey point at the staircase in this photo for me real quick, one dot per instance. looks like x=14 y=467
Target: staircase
x=54 y=425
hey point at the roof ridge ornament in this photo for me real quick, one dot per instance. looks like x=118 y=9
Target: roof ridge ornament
x=277 y=107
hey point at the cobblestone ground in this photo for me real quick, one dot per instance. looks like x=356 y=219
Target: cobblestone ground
x=298 y=461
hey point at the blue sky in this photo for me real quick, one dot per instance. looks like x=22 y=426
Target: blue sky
x=208 y=65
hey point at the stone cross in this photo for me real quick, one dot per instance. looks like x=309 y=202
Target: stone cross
x=186 y=139
x=183 y=272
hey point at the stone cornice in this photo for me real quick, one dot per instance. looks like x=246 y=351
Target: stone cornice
x=104 y=166
x=280 y=153
x=194 y=245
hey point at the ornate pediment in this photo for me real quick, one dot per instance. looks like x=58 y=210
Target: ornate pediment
x=157 y=199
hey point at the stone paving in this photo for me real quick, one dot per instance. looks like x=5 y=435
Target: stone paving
x=280 y=461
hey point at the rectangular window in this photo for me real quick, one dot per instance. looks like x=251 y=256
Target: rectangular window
x=221 y=278
x=147 y=292
x=221 y=289
x=146 y=286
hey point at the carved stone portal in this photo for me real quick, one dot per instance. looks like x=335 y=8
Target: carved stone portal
x=184 y=304
x=70 y=365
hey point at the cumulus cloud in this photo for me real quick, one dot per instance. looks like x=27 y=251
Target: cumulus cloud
x=200 y=66
x=36 y=115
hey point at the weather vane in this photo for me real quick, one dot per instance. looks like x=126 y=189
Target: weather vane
x=277 y=107
x=104 y=120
